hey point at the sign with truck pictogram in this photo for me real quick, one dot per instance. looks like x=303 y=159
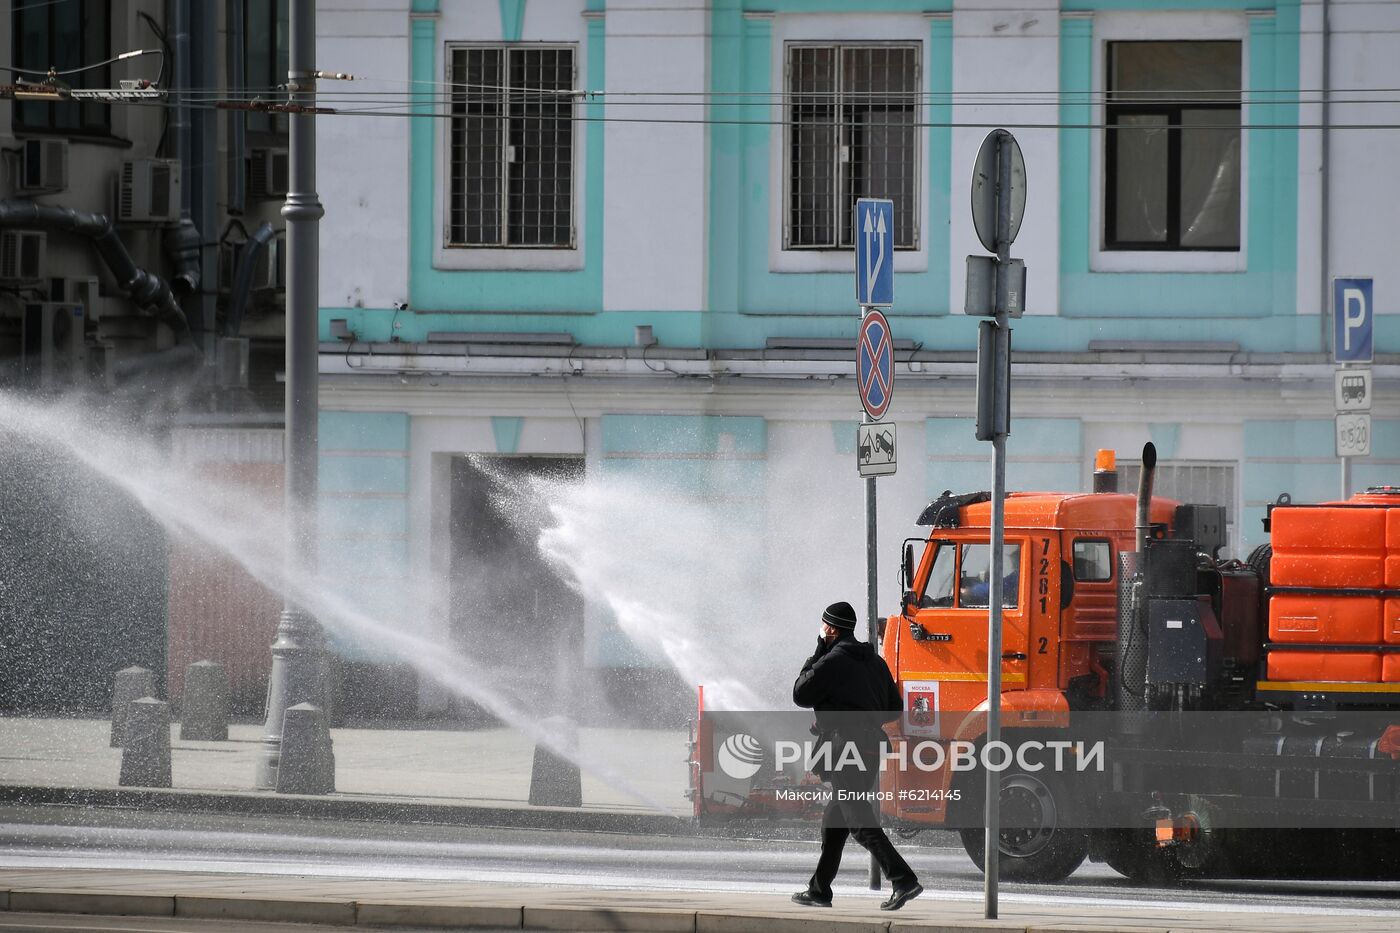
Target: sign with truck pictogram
x=875 y=448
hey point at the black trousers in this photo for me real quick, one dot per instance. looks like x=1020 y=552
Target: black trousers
x=853 y=811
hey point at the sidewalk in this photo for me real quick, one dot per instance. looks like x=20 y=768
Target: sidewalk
x=353 y=902
x=478 y=776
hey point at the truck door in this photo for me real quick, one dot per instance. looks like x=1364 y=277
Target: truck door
x=948 y=639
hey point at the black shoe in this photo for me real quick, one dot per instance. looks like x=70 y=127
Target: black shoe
x=808 y=899
x=901 y=895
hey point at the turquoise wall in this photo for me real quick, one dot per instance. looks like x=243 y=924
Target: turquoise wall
x=1042 y=454
x=1296 y=457
x=363 y=520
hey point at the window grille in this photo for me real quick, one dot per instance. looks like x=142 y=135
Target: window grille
x=511 y=147
x=1187 y=481
x=852 y=132
x=1172 y=146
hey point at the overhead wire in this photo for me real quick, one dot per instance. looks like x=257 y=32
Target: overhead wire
x=751 y=122
x=137 y=53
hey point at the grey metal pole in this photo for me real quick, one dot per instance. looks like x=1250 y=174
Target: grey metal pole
x=1001 y=422
x=298 y=674
x=872 y=609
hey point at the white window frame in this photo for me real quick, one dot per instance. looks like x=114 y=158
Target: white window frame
x=1116 y=26
x=810 y=29
x=508 y=258
x=838 y=47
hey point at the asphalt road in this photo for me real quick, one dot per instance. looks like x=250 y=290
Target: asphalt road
x=62 y=838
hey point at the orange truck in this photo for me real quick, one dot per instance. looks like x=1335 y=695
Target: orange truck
x=1246 y=714
x=1284 y=669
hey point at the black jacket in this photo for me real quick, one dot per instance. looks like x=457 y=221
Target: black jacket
x=842 y=681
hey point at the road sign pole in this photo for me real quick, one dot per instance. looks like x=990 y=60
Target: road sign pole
x=872 y=605
x=1001 y=394
x=875 y=233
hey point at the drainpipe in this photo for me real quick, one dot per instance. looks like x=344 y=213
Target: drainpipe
x=148 y=291
x=205 y=164
x=243 y=278
x=1325 y=248
x=182 y=241
x=236 y=177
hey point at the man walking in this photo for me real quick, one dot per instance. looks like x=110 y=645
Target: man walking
x=842 y=680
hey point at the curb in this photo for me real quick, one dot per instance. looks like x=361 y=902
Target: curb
x=353 y=810
x=346 y=913
x=479 y=913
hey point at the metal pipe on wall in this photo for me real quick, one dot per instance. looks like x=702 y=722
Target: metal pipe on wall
x=204 y=164
x=235 y=179
x=148 y=291
x=182 y=240
x=1324 y=251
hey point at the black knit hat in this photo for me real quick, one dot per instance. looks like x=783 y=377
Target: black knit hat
x=840 y=615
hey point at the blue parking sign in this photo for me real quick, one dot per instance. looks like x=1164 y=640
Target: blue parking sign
x=1352 y=315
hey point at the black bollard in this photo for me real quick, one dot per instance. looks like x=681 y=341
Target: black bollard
x=146 y=751
x=131 y=683
x=307 y=764
x=204 y=707
x=555 y=780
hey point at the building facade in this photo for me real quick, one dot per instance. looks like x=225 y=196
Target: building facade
x=140 y=237
x=572 y=238
x=622 y=233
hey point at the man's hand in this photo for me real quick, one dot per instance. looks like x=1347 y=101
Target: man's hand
x=823 y=646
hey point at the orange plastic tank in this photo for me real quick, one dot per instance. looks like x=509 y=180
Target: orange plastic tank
x=1392 y=547
x=1390 y=669
x=1354 y=666
x=1329 y=547
x=1325 y=620
x=1390 y=622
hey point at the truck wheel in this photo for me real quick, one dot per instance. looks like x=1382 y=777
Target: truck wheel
x=1036 y=841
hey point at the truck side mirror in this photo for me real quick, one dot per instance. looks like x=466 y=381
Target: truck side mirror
x=908 y=567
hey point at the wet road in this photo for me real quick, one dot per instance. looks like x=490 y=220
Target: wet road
x=60 y=838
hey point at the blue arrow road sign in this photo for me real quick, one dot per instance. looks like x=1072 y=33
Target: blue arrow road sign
x=874 y=252
x=875 y=365
x=1352 y=314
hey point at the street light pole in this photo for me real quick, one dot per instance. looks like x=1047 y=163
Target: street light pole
x=298 y=672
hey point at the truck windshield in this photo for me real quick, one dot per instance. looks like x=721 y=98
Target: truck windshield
x=974 y=579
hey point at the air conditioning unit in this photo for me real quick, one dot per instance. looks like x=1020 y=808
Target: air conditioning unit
x=79 y=290
x=21 y=255
x=269 y=173
x=148 y=191
x=52 y=344
x=43 y=166
x=270 y=274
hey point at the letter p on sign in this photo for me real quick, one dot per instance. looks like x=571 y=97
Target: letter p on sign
x=1352 y=315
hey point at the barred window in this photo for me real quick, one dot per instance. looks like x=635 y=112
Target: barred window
x=511 y=147
x=852 y=115
x=1173 y=146
x=1187 y=481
